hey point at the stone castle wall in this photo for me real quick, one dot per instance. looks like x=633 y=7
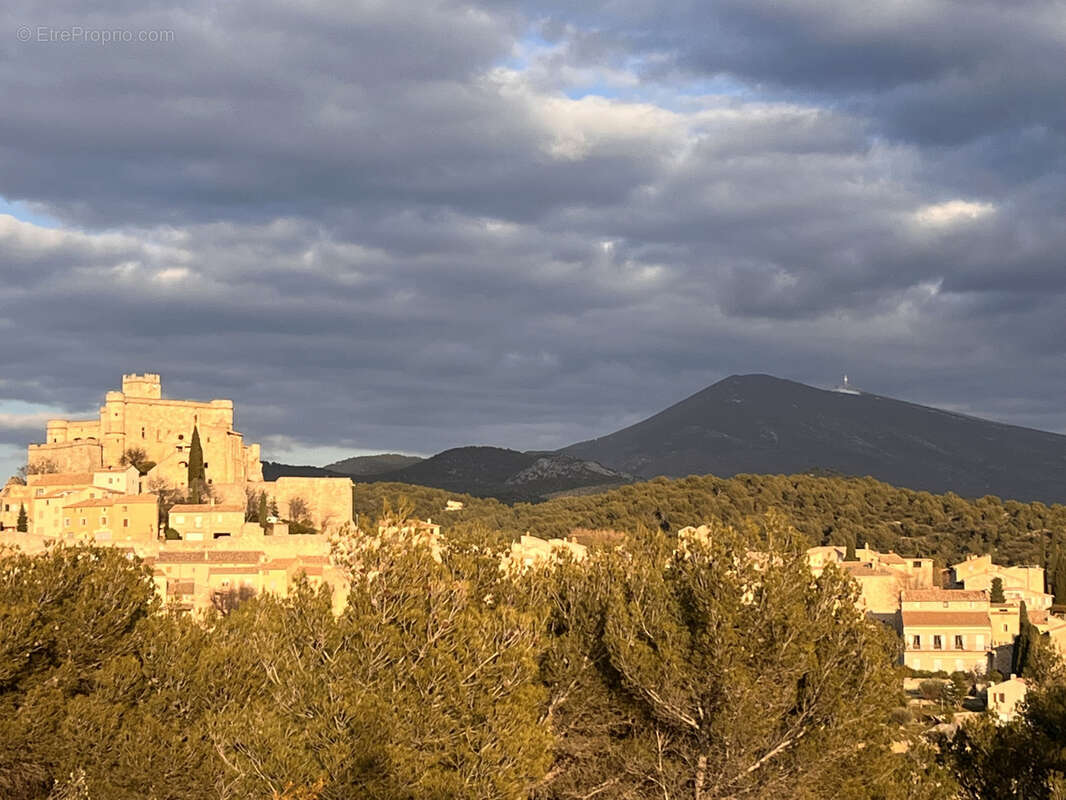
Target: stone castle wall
x=329 y=499
x=139 y=417
x=84 y=456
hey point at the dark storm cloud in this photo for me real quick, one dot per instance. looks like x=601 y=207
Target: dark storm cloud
x=391 y=225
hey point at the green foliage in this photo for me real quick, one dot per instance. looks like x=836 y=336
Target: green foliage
x=703 y=672
x=67 y=617
x=1056 y=574
x=995 y=594
x=22 y=523
x=138 y=458
x=824 y=509
x=1023 y=758
x=932 y=689
x=197 y=478
x=700 y=668
x=1024 y=642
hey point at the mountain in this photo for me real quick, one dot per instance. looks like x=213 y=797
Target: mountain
x=763 y=424
x=373 y=465
x=273 y=470
x=504 y=474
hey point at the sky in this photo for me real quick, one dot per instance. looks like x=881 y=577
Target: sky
x=411 y=225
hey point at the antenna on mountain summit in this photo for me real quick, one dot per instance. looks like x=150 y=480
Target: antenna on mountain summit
x=845 y=387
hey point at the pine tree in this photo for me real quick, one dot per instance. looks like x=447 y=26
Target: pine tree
x=196 y=468
x=996 y=593
x=22 y=525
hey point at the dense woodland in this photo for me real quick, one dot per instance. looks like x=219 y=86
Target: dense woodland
x=667 y=668
x=672 y=667
x=826 y=510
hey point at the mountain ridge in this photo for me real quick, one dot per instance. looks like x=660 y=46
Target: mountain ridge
x=761 y=424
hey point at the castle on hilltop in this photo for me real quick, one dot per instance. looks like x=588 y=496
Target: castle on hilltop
x=90 y=460
x=140 y=418
x=122 y=479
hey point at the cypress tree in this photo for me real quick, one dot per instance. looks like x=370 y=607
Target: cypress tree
x=849 y=554
x=22 y=525
x=1023 y=642
x=996 y=593
x=1058 y=587
x=262 y=510
x=196 y=467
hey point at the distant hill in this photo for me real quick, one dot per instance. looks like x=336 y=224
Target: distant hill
x=373 y=465
x=767 y=425
x=508 y=475
x=272 y=471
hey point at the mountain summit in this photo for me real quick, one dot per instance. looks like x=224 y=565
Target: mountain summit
x=763 y=424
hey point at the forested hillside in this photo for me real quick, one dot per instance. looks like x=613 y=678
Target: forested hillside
x=824 y=509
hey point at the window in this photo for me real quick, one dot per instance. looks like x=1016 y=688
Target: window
x=142 y=433
x=181 y=437
x=958 y=642
x=1001 y=697
x=916 y=564
x=206 y=465
x=938 y=642
x=916 y=642
x=980 y=642
x=103 y=521
x=125 y=523
x=1004 y=626
x=946 y=604
x=83 y=522
x=66 y=522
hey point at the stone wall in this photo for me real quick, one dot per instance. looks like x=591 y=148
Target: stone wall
x=329 y=499
x=83 y=456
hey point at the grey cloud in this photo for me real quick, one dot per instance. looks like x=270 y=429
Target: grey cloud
x=373 y=228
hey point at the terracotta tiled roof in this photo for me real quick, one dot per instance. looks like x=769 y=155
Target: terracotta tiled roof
x=957 y=619
x=866 y=571
x=942 y=595
x=60 y=479
x=279 y=563
x=1038 y=617
x=198 y=508
x=892 y=558
x=118 y=500
x=233 y=571
x=181 y=557
x=235 y=556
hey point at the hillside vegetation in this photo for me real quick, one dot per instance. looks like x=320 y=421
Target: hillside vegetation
x=826 y=510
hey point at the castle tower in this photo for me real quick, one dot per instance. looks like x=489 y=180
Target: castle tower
x=147 y=386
